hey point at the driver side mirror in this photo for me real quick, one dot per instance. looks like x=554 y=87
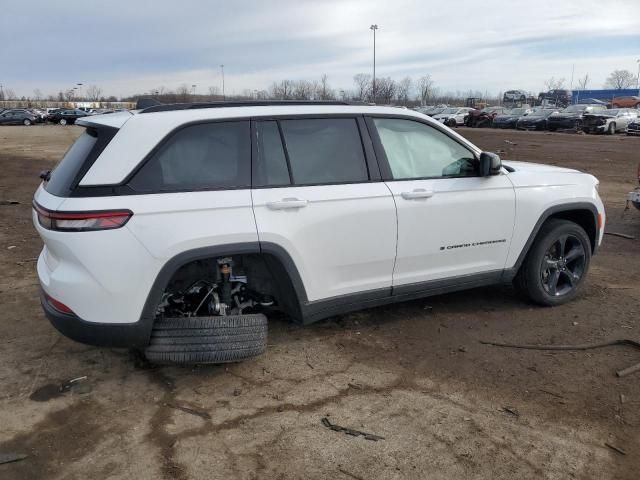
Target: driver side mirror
x=490 y=164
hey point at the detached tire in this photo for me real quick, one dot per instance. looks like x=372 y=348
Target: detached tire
x=190 y=340
x=556 y=264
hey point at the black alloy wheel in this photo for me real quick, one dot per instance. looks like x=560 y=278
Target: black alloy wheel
x=563 y=265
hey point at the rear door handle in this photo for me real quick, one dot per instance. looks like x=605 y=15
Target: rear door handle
x=417 y=194
x=286 y=203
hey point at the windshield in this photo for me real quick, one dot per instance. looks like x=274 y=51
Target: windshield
x=435 y=111
x=517 y=111
x=450 y=110
x=575 y=108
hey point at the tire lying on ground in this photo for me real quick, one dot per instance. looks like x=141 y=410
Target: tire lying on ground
x=190 y=340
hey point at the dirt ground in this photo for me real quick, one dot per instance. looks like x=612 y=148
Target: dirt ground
x=416 y=374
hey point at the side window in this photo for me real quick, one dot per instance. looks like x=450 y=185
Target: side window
x=271 y=165
x=415 y=150
x=199 y=157
x=324 y=151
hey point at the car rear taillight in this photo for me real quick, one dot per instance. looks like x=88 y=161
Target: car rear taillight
x=59 y=306
x=81 y=221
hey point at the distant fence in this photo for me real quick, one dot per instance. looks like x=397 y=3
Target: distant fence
x=56 y=104
x=604 y=95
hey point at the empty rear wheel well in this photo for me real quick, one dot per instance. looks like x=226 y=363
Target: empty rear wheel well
x=263 y=273
x=582 y=217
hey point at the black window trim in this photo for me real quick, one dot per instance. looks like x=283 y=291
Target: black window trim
x=385 y=167
x=375 y=157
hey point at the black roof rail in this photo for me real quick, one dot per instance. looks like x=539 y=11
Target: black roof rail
x=249 y=103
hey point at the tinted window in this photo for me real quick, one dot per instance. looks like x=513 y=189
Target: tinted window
x=212 y=155
x=324 y=151
x=271 y=165
x=65 y=172
x=416 y=150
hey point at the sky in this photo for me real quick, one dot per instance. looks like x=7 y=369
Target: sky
x=136 y=46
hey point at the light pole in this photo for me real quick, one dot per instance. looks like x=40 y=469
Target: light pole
x=79 y=86
x=374 y=27
x=193 y=89
x=222 y=70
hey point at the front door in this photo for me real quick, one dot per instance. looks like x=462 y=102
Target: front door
x=451 y=222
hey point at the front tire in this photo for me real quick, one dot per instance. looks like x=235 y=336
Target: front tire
x=190 y=340
x=556 y=265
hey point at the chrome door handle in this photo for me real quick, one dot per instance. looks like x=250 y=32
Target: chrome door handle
x=417 y=194
x=286 y=203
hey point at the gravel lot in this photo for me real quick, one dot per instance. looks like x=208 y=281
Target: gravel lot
x=416 y=374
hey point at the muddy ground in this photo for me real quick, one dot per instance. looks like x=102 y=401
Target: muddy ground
x=416 y=374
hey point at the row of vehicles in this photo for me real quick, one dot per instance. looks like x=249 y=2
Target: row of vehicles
x=30 y=116
x=561 y=98
x=590 y=118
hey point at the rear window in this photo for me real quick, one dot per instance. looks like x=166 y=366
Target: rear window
x=64 y=174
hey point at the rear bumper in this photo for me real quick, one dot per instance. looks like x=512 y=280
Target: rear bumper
x=124 y=335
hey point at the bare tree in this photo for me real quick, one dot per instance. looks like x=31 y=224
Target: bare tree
x=363 y=85
x=425 y=89
x=37 y=94
x=282 y=90
x=620 y=79
x=554 y=84
x=582 y=82
x=214 y=91
x=94 y=93
x=404 y=90
x=324 y=90
x=182 y=93
x=303 y=90
x=386 y=89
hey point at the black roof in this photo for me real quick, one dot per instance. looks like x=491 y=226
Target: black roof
x=249 y=103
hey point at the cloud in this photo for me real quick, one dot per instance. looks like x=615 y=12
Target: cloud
x=136 y=46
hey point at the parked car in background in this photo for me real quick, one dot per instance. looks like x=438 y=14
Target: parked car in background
x=634 y=127
x=509 y=119
x=571 y=117
x=625 y=102
x=66 y=117
x=609 y=121
x=558 y=97
x=512 y=96
x=536 y=120
x=453 y=116
x=17 y=117
x=484 y=117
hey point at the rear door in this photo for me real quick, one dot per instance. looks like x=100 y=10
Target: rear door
x=452 y=223
x=317 y=194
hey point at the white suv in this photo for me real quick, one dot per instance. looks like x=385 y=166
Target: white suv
x=178 y=228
